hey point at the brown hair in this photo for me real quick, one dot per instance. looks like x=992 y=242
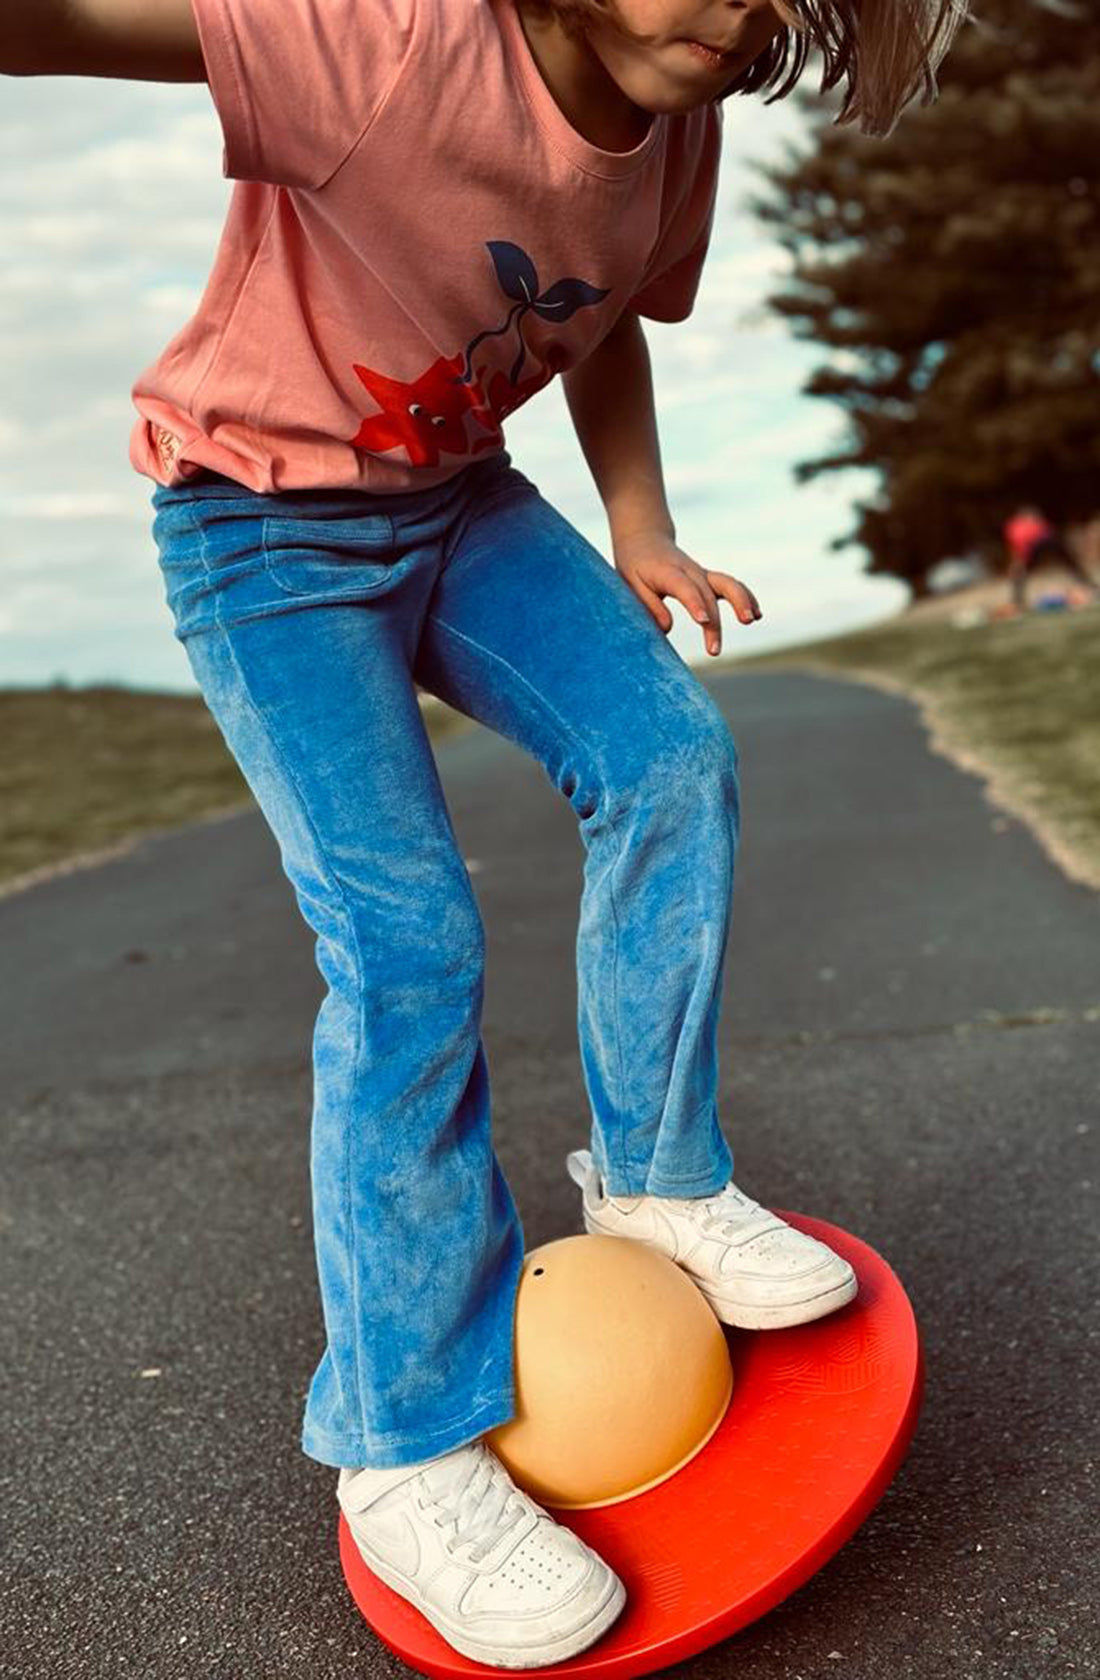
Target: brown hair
x=889 y=50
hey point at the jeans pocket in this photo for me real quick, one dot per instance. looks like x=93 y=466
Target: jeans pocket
x=330 y=553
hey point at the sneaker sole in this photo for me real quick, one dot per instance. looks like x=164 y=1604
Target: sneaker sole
x=750 y=1315
x=745 y=1316
x=565 y=1644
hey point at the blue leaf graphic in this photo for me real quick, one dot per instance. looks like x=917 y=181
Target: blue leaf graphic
x=516 y=272
x=564 y=298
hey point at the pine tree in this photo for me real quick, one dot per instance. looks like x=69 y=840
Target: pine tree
x=954 y=268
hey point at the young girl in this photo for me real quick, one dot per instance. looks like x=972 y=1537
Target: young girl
x=441 y=204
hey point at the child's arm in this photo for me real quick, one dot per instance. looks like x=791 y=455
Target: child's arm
x=139 y=40
x=610 y=399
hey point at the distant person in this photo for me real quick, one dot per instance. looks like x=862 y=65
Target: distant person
x=1033 y=539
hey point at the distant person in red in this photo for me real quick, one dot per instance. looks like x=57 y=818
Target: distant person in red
x=1032 y=539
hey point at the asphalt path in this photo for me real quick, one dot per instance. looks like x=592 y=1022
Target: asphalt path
x=910 y=1048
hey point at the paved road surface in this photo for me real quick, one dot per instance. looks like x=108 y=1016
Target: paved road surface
x=910 y=1048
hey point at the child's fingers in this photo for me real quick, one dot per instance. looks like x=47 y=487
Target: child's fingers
x=653 y=602
x=738 y=594
x=691 y=589
x=706 y=599
x=699 y=592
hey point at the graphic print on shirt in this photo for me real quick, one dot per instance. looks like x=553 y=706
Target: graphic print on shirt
x=426 y=416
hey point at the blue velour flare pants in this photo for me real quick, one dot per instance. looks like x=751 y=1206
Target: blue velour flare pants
x=306 y=616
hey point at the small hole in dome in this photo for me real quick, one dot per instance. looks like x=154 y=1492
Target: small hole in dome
x=537 y=1271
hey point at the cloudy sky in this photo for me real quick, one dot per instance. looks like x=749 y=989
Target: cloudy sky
x=112 y=200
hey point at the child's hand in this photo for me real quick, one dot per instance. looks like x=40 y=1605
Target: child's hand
x=654 y=567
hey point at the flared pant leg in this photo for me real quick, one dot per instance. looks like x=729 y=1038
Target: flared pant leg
x=533 y=633
x=305 y=631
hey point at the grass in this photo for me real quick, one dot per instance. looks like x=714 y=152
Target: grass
x=85 y=770
x=1014 y=699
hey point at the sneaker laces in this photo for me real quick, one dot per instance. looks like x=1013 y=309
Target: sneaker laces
x=727 y=1212
x=483 y=1504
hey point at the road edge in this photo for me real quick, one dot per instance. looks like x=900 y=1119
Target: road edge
x=1000 y=787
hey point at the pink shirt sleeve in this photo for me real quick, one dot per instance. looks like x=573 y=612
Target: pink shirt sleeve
x=672 y=278
x=297 y=83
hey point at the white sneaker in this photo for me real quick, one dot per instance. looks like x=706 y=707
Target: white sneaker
x=757 y=1271
x=493 y=1572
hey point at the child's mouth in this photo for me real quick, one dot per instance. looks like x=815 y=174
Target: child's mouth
x=715 y=60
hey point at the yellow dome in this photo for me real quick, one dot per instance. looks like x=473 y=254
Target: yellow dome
x=622 y=1372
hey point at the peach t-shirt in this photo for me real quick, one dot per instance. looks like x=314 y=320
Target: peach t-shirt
x=417 y=241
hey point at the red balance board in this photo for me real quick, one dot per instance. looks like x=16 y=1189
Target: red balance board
x=819 y=1420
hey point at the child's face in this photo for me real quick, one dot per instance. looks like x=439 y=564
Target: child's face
x=668 y=75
